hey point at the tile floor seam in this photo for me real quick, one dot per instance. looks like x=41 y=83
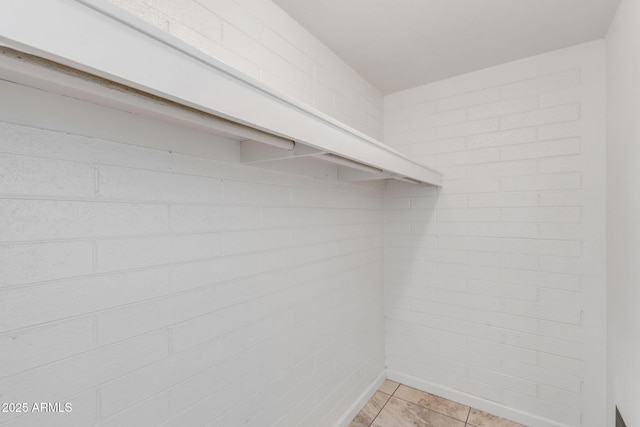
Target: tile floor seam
x=378 y=414
x=432 y=410
x=386 y=410
x=382 y=407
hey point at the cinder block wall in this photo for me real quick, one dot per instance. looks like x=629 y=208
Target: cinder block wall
x=495 y=284
x=189 y=291
x=261 y=40
x=149 y=287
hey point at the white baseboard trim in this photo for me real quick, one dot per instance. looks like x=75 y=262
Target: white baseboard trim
x=473 y=401
x=353 y=410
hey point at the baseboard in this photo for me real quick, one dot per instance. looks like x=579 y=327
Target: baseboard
x=474 y=401
x=353 y=410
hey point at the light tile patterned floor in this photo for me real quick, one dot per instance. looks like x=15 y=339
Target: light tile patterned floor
x=396 y=405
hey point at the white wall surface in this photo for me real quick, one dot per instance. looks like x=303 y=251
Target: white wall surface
x=261 y=40
x=623 y=211
x=495 y=290
x=149 y=287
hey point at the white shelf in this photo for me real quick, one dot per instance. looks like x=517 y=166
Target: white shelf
x=102 y=40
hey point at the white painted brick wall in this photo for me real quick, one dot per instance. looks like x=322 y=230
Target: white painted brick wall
x=150 y=287
x=261 y=40
x=494 y=285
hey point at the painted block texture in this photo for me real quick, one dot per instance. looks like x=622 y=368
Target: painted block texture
x=261 y=40
x=149 y=287
x=495 y=283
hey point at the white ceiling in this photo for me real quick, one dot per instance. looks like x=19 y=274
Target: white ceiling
x=399 y=44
